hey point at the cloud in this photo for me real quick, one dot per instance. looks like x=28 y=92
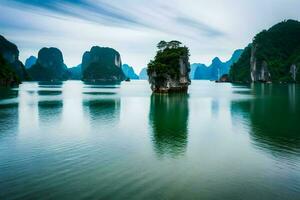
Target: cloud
x=153 y=15
x=203 y=28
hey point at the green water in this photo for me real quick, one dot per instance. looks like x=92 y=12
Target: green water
x=221 y=141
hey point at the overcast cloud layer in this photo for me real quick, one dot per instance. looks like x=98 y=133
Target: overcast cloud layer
x=134 y=27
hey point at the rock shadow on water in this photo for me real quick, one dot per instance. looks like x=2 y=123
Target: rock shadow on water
x=50 y=84
x=102 y=84
x=168 y=119
x=50 y=111
x=273 y=118
x=49 y=93
x=9 y=116
x=103 y=112
x=8 y=93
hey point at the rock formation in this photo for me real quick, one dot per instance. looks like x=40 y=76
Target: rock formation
x=7 y=75
x=129 y=72
x=10 y=59
x=49 y=66
x=259 y=72
x=271 y=56
x=30 y=61
x=102 y=64
x=169 y=71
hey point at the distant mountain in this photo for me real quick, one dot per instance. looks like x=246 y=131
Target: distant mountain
x=75 y=72
x=217 y=68
x=143 y=74
x=129 y=72
x=12 y=69
x=193 y=69
x=102 y=64
x=49 y=66
x=30 y=61
x=201 y=72
x=274 y=55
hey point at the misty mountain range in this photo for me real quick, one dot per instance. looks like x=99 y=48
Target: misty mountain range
x=199 y=71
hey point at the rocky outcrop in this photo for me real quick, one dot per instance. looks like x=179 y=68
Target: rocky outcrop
x=129 y=72
x=10 y=55
x=271 y=56
x=8 y=77
x=259 y=71
x=169 y=71
x=167 y=83
x=30 y=61
x=49 y=66
x=102 y=64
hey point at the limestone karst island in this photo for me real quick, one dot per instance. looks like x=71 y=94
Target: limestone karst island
x=150 y=99
x=169 y=71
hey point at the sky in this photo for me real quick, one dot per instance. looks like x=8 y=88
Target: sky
x=134 y=27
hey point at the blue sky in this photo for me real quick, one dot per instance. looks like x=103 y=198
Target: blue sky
x=134 y=27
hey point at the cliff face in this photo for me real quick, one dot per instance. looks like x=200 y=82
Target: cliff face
x=165 y=83
x=10 y=55
x=273 y=56
x=169 y=71
x=102 y=64
x=259 y=71
x=49 y=66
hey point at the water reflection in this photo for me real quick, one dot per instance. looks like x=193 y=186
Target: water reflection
x=8 y=119
x=105 y=112
x=169 y=121
x=6 y=93
x=272 y=117
x=28 y=108
x=50 y=111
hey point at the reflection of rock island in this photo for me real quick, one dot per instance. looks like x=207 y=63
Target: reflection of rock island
x=169 y=120
x=273 y=127
x=103 y=112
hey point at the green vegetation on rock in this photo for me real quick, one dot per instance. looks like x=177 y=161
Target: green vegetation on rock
x=167 y=59
x=273 y=51
x=12 y=70
x=169 y=71
x=7 y=76
x=49 y=66
x=102 y=64
x=240 y=71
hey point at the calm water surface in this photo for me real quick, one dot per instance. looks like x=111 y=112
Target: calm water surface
x=221 y=141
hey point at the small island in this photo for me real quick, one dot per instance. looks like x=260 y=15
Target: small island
x=169 y=71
